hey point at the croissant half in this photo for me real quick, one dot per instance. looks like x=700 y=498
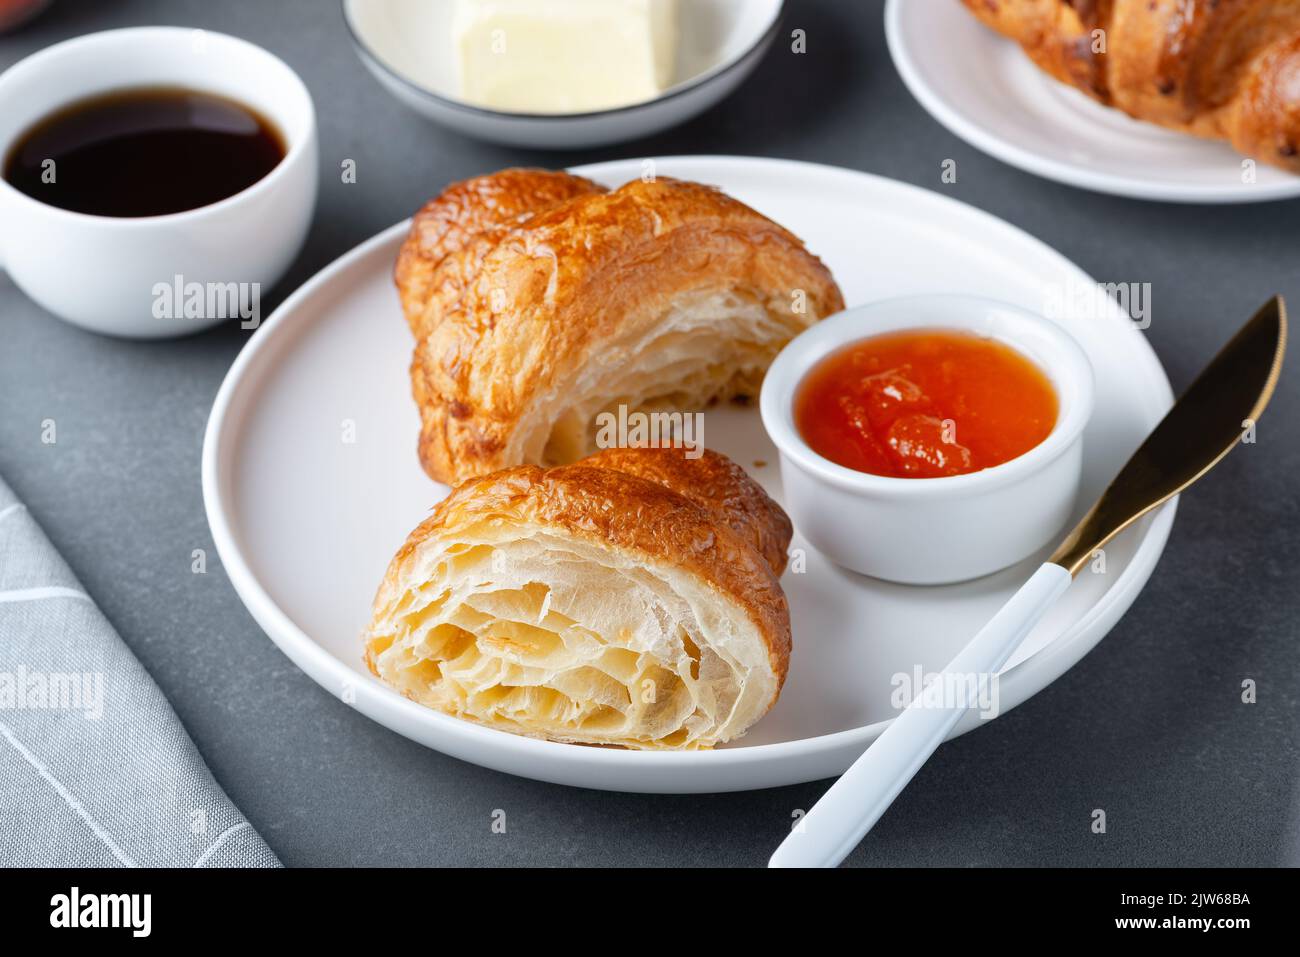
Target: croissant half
x=539 y=300
x=1222 y=69
x=630 y=599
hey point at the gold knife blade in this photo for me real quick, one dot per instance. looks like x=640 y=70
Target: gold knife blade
x=1200 y=429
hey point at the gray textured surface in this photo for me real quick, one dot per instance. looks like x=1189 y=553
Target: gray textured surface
x=1149 y=726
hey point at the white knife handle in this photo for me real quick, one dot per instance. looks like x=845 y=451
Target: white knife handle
x=835 y=825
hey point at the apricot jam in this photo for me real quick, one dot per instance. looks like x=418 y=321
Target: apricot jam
x=924 y=403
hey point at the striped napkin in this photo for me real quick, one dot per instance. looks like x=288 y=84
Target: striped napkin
x=95 y=767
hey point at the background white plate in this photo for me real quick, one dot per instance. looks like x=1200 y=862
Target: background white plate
x=983 y=88
x=407 y=46
x=306 y=522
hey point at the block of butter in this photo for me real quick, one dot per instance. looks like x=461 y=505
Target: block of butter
x=564 y=56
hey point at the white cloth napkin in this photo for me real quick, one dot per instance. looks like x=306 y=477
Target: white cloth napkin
x=95 y=767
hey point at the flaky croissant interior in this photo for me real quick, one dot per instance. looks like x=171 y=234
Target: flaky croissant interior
x=546 y=636
x=630 y=600
x=711 y=347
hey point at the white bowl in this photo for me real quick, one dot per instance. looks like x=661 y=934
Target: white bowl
x=108 y=273
x=927 y=531
x=407 y=45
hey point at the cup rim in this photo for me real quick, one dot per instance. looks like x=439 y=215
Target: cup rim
x=293 y=152
x=1070 y=371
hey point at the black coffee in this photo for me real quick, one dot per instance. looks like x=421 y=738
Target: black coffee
x=144 y=152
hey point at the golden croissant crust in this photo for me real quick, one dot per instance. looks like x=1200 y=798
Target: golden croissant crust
x=1222 y=69
x=539 y=300
x=630 y=600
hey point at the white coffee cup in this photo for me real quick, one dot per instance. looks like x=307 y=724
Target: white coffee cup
x=120 y=275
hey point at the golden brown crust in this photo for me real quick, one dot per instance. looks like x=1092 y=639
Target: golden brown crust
x=1266 y=122
x=692 y=530
x=450 y=233
x=1222 y=69
x=715 y=482
x=524 y=304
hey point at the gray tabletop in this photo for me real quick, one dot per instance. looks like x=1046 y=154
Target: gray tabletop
x=1150 y=726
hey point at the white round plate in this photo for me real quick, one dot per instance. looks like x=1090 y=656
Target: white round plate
x=407 y=45
x=311 y=483
x=983 y=88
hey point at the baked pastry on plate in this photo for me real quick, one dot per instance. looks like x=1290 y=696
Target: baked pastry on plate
x=540 y=299
x=1222 y=70
x=630 y=599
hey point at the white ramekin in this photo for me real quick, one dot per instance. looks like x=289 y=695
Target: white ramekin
x=102 y=272
x=933 y=530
